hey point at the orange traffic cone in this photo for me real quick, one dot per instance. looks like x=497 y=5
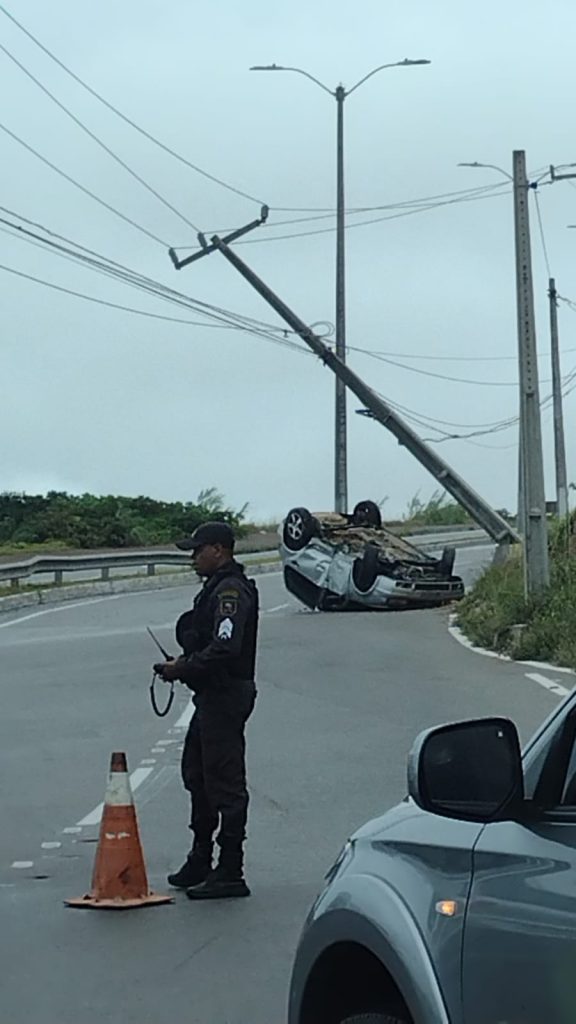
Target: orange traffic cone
x=119 y=879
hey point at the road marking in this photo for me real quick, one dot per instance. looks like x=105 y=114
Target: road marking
x=148 y=760
x=136 y=779
x=21 y=864
x=51 y=846
x=186 y=717
x=278 y=608
x=548 y=684
x=105 y=597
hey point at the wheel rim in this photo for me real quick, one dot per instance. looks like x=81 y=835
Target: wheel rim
x=294 y=526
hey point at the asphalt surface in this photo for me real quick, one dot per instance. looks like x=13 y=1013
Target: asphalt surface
x=341 y=698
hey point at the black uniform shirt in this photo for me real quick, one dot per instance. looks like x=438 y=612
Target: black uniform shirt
x=218 y=635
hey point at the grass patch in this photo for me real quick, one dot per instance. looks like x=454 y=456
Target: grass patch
x=497 y=603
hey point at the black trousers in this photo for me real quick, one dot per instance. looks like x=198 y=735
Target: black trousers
x=214 y=765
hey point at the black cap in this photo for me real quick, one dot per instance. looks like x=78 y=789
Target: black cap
x=208 y=533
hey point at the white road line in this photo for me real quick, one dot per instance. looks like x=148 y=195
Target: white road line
x=97 y=600
x=51 y=846
x=278 y=608
x=548 y=684
x=23 y=864
x=186 y=717
x=136 y=779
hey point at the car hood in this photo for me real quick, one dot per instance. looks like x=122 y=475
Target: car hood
x=407 y=823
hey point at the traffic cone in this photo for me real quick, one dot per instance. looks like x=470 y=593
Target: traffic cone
x=119 y=879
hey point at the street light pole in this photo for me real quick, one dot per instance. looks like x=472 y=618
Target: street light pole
x=340 y=424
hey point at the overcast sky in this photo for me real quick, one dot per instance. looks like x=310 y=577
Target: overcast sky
x=101 y=400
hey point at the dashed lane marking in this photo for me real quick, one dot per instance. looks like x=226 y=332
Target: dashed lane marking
x=548 y=684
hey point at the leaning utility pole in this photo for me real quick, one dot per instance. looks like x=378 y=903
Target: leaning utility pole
x=486 y=517
x=559 y=445
x=533 y=515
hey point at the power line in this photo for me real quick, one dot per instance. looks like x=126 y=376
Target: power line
x=376 y=220
x=97 y=140
x=128 y=120
x=430 y=373
x=102 y=264
x=83 y=188
x=355 y=211
x=146 y=313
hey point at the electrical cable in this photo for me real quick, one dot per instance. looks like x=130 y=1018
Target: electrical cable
x=83 y=188
x=127 y=120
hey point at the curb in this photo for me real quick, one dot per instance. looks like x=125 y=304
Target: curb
x=458 y=634
x=59 y=595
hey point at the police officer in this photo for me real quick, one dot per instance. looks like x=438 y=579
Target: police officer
x=218 y=640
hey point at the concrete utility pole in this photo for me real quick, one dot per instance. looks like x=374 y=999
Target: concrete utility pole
x=340 y=424
x=536 y=565
x=559 y=445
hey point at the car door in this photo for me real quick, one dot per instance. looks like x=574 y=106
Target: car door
x=519 y=951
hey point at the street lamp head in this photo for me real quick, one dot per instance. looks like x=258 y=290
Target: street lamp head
x=267 y=67
x=409 y=63
x=474 y=163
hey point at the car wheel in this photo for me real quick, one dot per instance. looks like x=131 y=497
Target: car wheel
x=446 y=561
x=365 y=569
x=373 y=1018
x=367 y=513
x=299 y=528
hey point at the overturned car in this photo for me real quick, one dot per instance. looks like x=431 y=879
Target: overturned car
x=344 y=562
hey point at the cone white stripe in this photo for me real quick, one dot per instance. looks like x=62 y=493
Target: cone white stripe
x=118 y=793
x=136 y=779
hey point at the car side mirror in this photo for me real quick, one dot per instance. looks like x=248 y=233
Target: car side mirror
x=469 y=770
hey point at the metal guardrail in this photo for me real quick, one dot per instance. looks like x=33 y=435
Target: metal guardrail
x=59 y=565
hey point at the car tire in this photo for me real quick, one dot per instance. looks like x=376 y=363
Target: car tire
x=299 y=528
x=365 y=569
x=373 y=1018
x=446 y=561
x=367 y=513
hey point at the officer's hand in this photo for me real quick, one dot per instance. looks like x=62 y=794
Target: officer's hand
x=167 y=670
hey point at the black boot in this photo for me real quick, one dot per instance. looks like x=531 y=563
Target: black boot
x=225 y=882
x=195 y=869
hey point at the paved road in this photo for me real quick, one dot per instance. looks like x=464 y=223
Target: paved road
x=341 y=699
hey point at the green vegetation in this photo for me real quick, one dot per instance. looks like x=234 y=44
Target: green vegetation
x=58 y=520
x=439 y=510
x=497 y=603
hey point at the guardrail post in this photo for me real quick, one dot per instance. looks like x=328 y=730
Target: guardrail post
x=105 y=573
x=151 y=569
x=58 y=575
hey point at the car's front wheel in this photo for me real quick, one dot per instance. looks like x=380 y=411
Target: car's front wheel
x=299 y=528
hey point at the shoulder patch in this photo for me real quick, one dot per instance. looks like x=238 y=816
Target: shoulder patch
x=228 y=602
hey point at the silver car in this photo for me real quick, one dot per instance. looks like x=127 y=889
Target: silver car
x=335 y=563
x=459 y=905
